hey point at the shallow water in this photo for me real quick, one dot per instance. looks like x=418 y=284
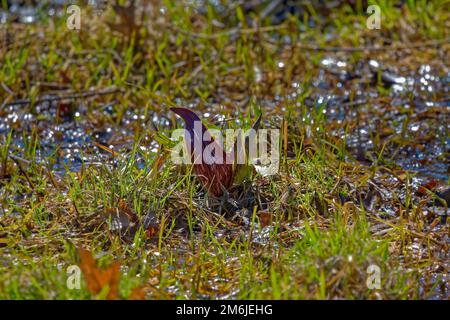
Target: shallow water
x=425 y=144
x=418 y=110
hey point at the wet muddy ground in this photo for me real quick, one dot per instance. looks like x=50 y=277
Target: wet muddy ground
x=385 y=110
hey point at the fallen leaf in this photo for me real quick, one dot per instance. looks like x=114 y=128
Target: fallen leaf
x=423 y=189
x=150 y=224
x=96 y=278
x=126 y=209
x=138 y=293
x=264 y=218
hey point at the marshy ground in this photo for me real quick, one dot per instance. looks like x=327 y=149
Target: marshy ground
x=365 y=152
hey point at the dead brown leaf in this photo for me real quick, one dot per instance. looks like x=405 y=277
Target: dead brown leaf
x=96 y=278
x=137 y=294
